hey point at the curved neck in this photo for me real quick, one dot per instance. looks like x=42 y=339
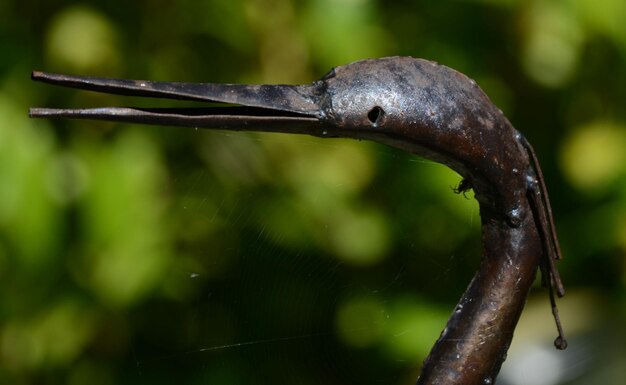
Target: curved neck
x=472 y=347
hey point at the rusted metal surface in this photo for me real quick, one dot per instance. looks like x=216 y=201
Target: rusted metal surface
x=426 y=109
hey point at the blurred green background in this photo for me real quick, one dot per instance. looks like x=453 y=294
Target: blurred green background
x=156 y=255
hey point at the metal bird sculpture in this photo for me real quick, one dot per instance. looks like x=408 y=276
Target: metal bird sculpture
x=426 y=109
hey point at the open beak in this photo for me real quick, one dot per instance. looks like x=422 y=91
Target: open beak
x=273 y=108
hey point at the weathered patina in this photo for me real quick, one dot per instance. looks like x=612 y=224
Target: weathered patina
x=423 y=108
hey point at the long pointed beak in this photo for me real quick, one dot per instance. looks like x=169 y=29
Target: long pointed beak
x=276 y=108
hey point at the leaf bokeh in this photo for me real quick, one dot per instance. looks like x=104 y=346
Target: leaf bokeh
x=133 y=254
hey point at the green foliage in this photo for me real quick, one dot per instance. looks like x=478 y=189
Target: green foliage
x=159 y=255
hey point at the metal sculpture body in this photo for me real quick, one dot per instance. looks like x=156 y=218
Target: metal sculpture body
x=420 y=107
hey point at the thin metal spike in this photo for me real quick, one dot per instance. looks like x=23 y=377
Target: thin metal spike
x=560 y=342
x=545 y=199
x=546 y=221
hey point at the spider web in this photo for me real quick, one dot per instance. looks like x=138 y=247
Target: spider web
x=272 y=313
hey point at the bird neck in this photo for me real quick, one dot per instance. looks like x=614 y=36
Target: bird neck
x=475 y=341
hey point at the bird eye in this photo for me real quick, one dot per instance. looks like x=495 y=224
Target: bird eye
x=375 y=115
